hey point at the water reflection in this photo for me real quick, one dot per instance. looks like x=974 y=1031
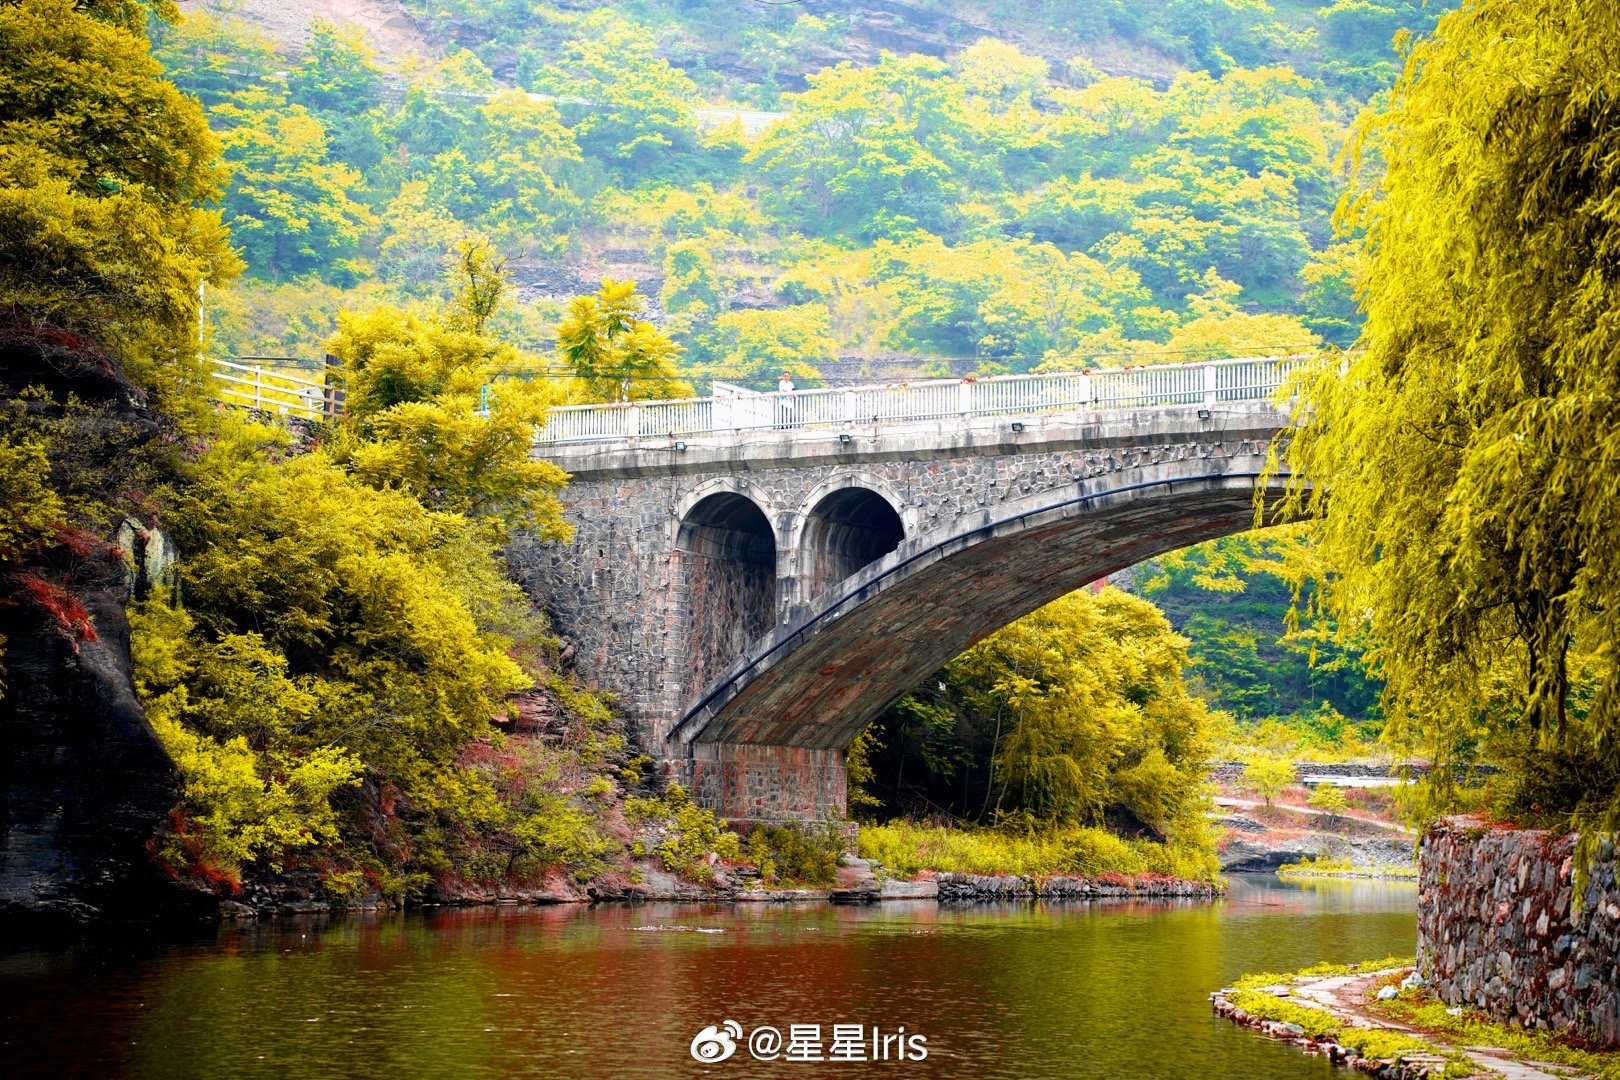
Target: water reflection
x=1005 y=991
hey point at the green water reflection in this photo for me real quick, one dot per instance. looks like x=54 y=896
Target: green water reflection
x=1014 y=991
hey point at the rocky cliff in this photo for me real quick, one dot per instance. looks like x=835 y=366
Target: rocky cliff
x=83 y=780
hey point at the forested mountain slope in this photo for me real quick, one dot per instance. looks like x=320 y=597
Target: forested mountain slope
x=995 y=185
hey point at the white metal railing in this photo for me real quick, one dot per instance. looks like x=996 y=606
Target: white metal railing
x=253 y=386
x=736 y=409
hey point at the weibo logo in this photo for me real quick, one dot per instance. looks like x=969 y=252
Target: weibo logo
x=716 y=1043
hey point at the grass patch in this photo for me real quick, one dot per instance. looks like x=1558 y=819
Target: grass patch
x=1318 y=1023
x=1323 y=866
x=1321 y=971
x=1423 y=1010
x=1371 y=1043
x=906 y=848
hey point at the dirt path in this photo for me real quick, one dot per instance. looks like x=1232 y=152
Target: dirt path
x=1344 y=996
x=1365 y=819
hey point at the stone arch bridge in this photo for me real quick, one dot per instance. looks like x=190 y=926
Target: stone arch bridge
x=759 y=577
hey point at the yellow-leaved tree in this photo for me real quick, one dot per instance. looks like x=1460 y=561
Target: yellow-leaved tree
x=615 y=353
x=1469 y=452
x=348 y=630
x=106 y=171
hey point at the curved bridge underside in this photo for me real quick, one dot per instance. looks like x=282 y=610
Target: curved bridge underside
x=871 y=638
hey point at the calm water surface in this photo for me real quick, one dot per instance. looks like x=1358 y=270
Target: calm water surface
x=1012 y=991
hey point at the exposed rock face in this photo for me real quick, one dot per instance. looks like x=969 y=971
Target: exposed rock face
x=1500 y=928
x=1259 y=851
x=84 y=782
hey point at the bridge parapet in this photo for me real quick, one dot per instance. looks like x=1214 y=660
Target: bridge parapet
x=735 y=411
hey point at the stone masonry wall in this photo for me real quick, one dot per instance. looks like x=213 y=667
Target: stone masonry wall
x=1500 y=928
x=769 y=783
x=622 y=593
x=656 y=625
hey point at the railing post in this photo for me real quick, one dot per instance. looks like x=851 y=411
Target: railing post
x=1209 y=383
x=632 y=421
x=334 y=388
x=1084 y=397
x=964 y=397
x=258 y=388
x=849 y=406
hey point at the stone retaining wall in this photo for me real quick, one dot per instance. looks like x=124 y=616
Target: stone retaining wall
x=979 y=887
x=1501 y=929
x=1231 y=772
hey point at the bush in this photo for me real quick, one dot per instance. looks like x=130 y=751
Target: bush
x=796 y=855
x=694 y=838
x=907 y=848
x=1329 y=799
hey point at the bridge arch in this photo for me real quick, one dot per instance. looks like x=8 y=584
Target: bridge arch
x=844 y=525
x=726 y=550
x=799 y=695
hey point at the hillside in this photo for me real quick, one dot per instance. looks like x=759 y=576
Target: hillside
x=386 y=25
x=825 y=188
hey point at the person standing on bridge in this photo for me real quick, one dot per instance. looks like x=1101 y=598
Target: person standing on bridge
x=785 y=401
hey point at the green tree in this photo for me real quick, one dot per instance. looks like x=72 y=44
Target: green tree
x=289 y=206
x=615 y=354
x=440 y=111
x=516 y=167
x=756 y=346
x=1469 y=448
x=1075 y=714
x=870 y=152
x=422 y=236
x=212 y=59
x=104 y=172
x=635 y=110
x=337 y=76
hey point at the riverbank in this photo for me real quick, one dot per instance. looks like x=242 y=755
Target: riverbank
x=857 y=885
x=1345 y=869
x=1378 y=1018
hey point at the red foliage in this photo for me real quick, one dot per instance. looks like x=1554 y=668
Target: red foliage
x=46 y=334
x=199 y=867
x=69 y=616
x=82 y=543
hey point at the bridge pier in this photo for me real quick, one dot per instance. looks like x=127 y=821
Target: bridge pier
x=745 y=782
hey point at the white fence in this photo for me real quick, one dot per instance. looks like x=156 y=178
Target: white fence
x=253 y=386
x=735 y=409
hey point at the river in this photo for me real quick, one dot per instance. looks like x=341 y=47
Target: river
x=1073 y=990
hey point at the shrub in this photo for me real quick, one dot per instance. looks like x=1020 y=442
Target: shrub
x=795 y=854
x=696 y=838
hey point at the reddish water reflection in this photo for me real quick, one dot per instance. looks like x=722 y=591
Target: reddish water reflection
x=1004 y=991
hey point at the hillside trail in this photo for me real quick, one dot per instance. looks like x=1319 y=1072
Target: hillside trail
x=1366 y=819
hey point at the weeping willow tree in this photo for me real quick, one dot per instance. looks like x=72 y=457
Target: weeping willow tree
x=1471 y=450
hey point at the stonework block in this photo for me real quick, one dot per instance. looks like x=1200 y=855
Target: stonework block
x=1496 y=929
